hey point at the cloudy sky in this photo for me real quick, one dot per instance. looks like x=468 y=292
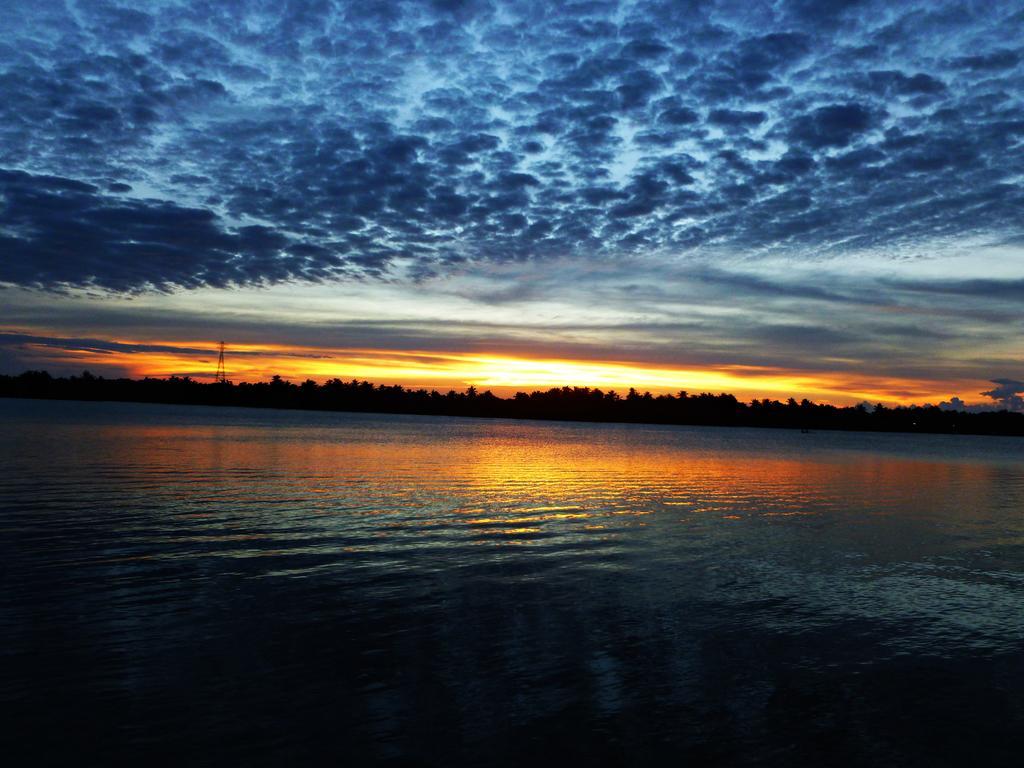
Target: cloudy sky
x=823 y=199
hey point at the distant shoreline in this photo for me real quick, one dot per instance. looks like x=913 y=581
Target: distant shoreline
x=579 y=404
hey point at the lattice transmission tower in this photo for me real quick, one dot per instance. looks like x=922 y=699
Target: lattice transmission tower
x=222 y=376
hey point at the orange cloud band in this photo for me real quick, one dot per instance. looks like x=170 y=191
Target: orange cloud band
x=500 y=373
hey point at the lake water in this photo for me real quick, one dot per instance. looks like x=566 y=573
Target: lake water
x=239 y=587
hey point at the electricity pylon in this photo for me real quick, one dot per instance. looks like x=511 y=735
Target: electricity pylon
x=222 y=376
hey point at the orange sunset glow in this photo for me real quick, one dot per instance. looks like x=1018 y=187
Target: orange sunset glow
x=502 y=374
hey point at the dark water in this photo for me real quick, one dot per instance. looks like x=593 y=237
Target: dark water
x=188 y=586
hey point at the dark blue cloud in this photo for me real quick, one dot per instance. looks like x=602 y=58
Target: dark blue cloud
x=835 y=125
x=61 y=231
x=176 y=145
x=1007 y=394
x=736 y=118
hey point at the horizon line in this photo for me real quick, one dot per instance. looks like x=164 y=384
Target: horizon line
x=679 y=394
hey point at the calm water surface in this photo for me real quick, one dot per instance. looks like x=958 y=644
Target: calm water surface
x=194 y=586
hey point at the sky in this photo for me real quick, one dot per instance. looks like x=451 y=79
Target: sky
x=818 y=199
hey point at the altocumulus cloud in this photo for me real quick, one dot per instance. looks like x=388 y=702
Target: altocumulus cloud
x=177 y=145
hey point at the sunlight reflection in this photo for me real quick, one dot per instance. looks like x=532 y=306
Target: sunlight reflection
x=500 y=484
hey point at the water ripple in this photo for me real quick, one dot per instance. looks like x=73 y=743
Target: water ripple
x=499 y=580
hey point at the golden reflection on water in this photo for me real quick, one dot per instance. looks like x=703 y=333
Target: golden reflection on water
x=744 y=515
x=506 y=573
x=503 y=484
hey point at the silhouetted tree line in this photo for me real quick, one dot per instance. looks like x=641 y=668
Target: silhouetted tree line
x=565 y=403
